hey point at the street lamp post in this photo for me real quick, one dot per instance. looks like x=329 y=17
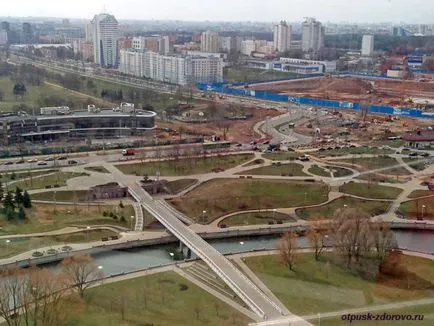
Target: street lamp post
x=88 y=232
x=7 y=246
x=203 y=216
x=172 y=255
x=423 y=210
x=132 y=218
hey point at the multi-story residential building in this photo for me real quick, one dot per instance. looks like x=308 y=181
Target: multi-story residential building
x=83 y=48
x=228 y=44
x=89 y=32
x=367 y=45
x=249 y=46
x=282 y=36
x=27 y=33
x=105 y=39
x=312 y=35
x=181 y=70
x=158 y=44
x=3 y=37
x=209 y=42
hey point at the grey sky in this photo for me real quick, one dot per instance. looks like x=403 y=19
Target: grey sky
x=411 y=11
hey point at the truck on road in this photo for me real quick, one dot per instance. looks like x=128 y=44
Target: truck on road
x=129 y=152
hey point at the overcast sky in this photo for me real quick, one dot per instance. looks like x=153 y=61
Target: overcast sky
x=411 y=11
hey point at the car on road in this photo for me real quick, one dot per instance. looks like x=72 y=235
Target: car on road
x=40 y=163
x=62 y=158
x=49 y=159
x=304 y=158
x=72 y=162
x=424 y=154
x=20 y=161
x=32 y=160
x=8 y=163
x=413 y=154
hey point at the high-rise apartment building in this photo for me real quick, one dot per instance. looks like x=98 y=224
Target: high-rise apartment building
x=180 y=70
x=89 y=32
x=5 y=25
x=312 y=35
x=158 y=44
x=209 y=42
x=282 y=36
x=105 y=39
x=27 y=33
x=367 y=45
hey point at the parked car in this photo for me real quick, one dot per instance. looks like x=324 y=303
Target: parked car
x=49 y=158
x=424 y=154
x=62 y=158
x=20 y=161
x=72 y=162
x=41 y=163
x=8 y=163
x=413 y=154
x=32 y=160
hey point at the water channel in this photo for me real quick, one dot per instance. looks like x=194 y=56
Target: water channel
x=118 y=261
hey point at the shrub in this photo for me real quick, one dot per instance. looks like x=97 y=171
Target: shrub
x=123 y=220
x=104 y=214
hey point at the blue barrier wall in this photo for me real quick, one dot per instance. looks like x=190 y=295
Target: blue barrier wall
x=315 y=101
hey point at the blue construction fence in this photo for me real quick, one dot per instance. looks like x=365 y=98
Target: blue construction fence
x=221 y=88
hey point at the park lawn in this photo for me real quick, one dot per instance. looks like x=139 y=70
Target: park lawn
x=339 y=172
x=17 y=246
x=179 y=185
x=316 y=286
x=352 y=151
x=242 y=74
x=57 y=178
x=254 y=162
x=49 y=217
x=287 y=170
x=415 y=163
x=62 y=195
x=425 y=310
x=32 y=96
x=391 y=143
x=370 y=190
x=326 y=211
x=413 y=209
x=281 y=156
x=372 y=163
x=257 y=218
x=186 y=166
x=219 y=197
x=18 y=175
x=421 y=193
x=157 y=299
x=378 y=177
x=99 y=169
x=320 y=171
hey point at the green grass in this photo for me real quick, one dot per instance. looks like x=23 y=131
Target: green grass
x=180 y=185
x=32 y=95
x=219 y=197
x=57 y=178
x=370 y=190
x=373 y=163
x=377 y=177
x=251 y=74
x=415 y=163
x=290 y=170
x=62 y=195
x=281 y=156
x=352 y=151
x=391 y=143
x=154 y=300
x=421 y=193
x=317 y=287
x=254 y=162
x=49 y=217
x=413 y=209
x=326 y=211
x=339 y=172
x=15 y=176
x=99 y=169
x=257 y=218
x=320 y=171
x=185 y=166
x=17 y=246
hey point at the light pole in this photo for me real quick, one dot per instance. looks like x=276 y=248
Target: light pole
x=241 y=242
x=203 y=216
x=88 y=232
x=423 y=210
x=7 y=246
x=172 y=255
x=132 y=218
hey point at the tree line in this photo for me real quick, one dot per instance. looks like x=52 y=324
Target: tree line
x=39 y=296
x=14 y=202
x=358 y=243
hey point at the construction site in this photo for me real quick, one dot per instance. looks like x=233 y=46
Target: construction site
x=364 y=90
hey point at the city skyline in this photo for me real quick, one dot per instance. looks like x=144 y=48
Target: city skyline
x=369 y=11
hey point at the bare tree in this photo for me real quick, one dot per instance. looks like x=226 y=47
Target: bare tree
x=316 y=237
x=286 y=247
x=81 y=272
x=12 y=290
x=384 y=239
